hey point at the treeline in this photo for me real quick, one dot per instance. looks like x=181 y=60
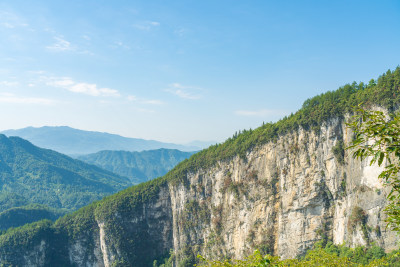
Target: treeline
x=384 y=92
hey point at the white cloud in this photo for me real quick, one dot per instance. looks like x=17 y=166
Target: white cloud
x=181 y=32
x=82 y=88
x=91 y=89
x=60 y=45
x=143 y=110
x=62 y=82
x=146 y=25
x=37 y=72
x=132 y=98
x=153 y=102
x=145 y=101
x=7 y=25
x=9 y=84
x=183 y=91
x=10 y=20
x=260 y=113
x=184 y=94
x=123 y=45
x=13 y=99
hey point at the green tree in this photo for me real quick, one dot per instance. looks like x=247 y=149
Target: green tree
x=377 y=139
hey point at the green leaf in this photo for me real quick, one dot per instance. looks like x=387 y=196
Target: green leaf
x=381 y=157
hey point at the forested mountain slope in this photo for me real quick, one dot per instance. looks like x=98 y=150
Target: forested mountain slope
x=278 y=188
x=20 y=215
x=137 y=166
x=29 y=174
x=72 y=141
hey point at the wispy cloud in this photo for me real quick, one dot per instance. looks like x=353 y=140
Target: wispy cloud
x=91 y=89
x=145 y=101
x=60 y=45
x=184 y=91
x=11 y=21
x=144 y=110
x=13 y=99
x=82 y=88
x=153 y=102
x=146 y=25
x=8 y=83
x=181 y=32
x=7 y=25
x=122 y=45
x=260 y=112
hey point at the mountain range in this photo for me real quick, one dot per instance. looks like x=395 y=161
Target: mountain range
x=137 y=166
x=76 y=142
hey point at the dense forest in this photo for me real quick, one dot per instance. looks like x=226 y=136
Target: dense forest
x=32 y=175
x=384 y=92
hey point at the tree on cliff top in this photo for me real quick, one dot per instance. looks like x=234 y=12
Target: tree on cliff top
x=377 y=139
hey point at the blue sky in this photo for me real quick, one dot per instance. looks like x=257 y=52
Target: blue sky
x=179 y=71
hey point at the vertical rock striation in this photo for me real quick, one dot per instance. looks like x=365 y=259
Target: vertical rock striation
x=282 y=198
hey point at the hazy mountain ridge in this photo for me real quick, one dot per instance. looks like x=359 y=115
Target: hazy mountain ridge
x=279 y=188
x=73 y=142
x=137 y=166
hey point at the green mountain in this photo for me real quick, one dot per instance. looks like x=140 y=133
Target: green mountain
x=138 y=166
x=74 y=142
x=29 y=174
x=278 y=188
x=18 y=216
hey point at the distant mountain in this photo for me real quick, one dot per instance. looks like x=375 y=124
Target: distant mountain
x=138 y=166
x=29 y=174
x=75 y=142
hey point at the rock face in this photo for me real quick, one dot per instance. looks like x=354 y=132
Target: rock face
x=147 y=232
x=281 y=198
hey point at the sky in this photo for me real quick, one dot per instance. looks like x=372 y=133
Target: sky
x=178 y=71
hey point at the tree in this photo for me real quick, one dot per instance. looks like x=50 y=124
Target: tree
x=377 y=139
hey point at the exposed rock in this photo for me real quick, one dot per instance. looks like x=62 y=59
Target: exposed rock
x=281 y=198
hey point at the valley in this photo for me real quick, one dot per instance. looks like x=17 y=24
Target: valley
x=137 y=166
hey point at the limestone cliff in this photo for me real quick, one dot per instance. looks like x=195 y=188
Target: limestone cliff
x=281 y=198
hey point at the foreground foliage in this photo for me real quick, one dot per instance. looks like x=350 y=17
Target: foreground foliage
x=377 y=138
x=330 y=255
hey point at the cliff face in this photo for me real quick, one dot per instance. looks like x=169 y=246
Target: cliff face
x=139 y=236
x=281 y=198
